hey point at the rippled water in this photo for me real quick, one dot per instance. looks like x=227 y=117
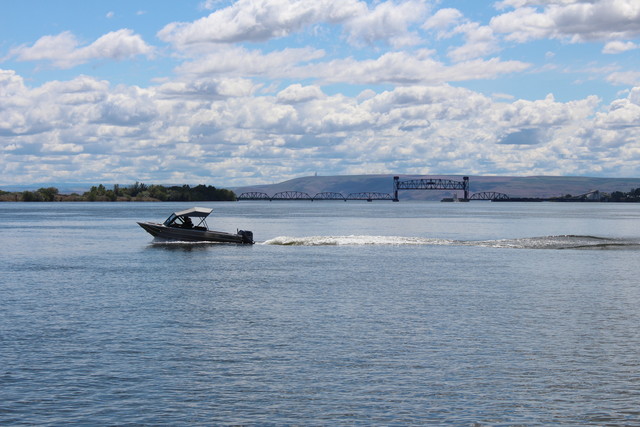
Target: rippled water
x=342 y=313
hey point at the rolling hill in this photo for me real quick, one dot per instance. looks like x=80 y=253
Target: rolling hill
x=514 y=186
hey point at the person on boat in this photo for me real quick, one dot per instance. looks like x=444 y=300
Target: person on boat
x=187 y=222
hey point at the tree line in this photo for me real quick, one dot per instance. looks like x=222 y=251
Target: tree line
x=619 y=196
x=135 y=192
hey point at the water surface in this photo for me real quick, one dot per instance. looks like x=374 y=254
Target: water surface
x=342 y=313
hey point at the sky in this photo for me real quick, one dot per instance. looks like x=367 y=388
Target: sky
x=247 y=92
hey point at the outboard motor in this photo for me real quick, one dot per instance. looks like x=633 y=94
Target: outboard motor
x=247 y=236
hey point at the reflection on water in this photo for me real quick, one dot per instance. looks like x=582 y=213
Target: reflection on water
x=190 y=246
x=179 y=246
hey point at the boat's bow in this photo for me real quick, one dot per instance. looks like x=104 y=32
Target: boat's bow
x=151 y=228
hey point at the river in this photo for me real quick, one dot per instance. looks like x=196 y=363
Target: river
x=341 y=313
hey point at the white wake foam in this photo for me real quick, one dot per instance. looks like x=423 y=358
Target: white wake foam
x=545 y=242
x=354 y=241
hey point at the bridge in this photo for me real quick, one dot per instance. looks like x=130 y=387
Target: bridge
x=369 y=196
x=254 y=195
x=329 y=196
x=291 y=195
x=409 y=184
x=299 y=195
x=430 y=184
x=489 y=195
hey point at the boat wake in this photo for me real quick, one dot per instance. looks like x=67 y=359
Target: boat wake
x=546 y=242
x=354 y=241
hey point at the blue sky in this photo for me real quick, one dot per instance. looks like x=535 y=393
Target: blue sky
x=247 y=92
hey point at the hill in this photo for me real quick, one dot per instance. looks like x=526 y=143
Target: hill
x=514 y=186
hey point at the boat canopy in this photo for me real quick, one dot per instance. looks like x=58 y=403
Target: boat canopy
x=194 y=212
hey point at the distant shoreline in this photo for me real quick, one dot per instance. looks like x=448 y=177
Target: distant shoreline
x=137 y=192
x=517 y=188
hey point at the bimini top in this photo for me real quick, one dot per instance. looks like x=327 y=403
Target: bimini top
x=194 y=212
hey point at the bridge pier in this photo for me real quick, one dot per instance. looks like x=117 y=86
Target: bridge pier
x=396 y=180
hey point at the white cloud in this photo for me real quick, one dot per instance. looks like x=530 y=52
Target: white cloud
x=402 y=68
x=528 y=136
x=11 y=84
x=532 y=121
x=53 y=107
x=622 y=114
x=629 y=78
x=131 y=107
x=521 y=3
x=207 y=88
x=389 y=22
x=209 y=4
x=296 y=93
x=48 y=48
x=618 y=47
x=443 y=19
x=116 y=133
x=258 y=20
x=238 y=60
x=262 y=20
x=571 y=20
x=479 y=42
x=64 y=51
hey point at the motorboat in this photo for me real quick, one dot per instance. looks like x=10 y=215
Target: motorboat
x=180 y=227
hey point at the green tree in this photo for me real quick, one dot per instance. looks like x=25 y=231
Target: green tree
x=158 y=192
x=136 y=188
x=617 y=196
x=48 y=194
x=30 y=196
x=92 y=194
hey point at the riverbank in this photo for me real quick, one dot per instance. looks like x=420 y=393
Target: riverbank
x=137 y=192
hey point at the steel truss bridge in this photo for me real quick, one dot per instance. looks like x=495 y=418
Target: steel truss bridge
x=299 y=195
x=409 y=184
x=430 y=184
x=489 y=195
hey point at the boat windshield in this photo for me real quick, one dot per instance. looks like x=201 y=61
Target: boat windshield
x=184 y=221
x=170 y=220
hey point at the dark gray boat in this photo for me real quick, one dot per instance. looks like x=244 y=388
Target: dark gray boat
x=180 y=227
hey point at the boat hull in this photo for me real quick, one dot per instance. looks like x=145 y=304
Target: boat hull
x=195 y=235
